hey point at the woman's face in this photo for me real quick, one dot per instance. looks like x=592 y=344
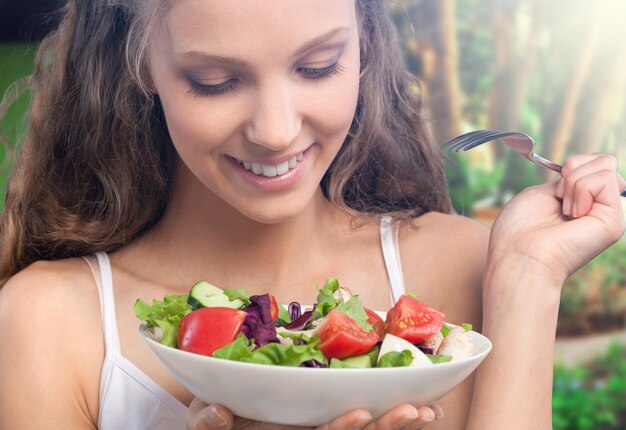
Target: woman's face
x=258 y=96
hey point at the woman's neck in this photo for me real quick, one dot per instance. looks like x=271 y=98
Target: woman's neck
x=201 y=236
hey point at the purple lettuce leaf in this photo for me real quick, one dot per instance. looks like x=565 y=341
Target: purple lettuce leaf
x=258 y=324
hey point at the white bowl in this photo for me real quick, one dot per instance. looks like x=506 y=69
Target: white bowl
x=310 y=396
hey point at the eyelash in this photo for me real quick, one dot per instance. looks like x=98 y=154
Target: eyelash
x=200 y=90
x=323 y=72
x=311 y=73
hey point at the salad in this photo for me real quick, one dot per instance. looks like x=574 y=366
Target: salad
x=336 y=332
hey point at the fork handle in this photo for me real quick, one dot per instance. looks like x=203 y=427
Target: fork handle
x=554 y=166
x=546 y=163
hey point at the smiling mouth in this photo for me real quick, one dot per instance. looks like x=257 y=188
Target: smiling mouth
x=272 y=170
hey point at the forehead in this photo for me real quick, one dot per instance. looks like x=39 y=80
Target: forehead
x=246 y=25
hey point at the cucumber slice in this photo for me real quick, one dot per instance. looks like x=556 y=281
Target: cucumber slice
x=204 y=294
x=358 y=362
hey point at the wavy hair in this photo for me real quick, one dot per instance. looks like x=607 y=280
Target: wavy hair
x=96 y=167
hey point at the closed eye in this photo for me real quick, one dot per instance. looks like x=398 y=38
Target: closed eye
x=197 y=89
x=321 y=72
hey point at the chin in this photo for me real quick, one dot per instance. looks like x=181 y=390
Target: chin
x=275 y=211
x=269 y=216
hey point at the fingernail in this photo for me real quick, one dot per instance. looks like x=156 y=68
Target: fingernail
x=359 y=424
x=214 y=418
x=566 y=207
x=409 y=417
x=575 y=211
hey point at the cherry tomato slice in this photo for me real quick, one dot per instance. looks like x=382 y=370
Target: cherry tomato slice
x=412 y=320
x=207 y=329
x=341 y=337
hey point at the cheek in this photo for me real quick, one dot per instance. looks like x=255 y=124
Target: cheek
x=194 y=125
x=333 y=107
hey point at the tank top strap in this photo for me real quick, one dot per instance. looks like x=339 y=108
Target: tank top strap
x=104 y=280
x=391 y=254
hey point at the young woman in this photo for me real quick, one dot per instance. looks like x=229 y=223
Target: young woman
x=259 y=146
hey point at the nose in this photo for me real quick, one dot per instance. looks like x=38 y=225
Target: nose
x=275 y=121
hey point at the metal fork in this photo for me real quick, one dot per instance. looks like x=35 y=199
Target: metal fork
x=521 y=143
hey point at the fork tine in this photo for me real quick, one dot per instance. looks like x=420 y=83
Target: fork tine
x=487 y=137
x=454 y=143
x=474 y=139
x=460 y=142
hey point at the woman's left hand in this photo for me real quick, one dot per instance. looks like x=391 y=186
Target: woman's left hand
x=559 y=226
x=212 y=417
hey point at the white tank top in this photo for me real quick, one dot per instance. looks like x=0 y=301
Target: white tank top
x=129 y=399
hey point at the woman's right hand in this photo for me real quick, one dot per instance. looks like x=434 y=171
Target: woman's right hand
x=215 y=417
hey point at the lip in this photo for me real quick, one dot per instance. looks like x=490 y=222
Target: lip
x=276 y=183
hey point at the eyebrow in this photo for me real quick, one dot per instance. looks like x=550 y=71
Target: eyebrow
x=308 y=46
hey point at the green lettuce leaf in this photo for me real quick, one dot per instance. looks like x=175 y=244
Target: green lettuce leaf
x=439 y=358
x=355 y=310
x=445 y=329
x=325 y=300
x=238 y=350
x=396 y=359
x=238 y=293
x=272 y=353
x=283 y=316
x=165 y=314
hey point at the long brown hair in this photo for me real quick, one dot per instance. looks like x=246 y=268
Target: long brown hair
x=96 y=166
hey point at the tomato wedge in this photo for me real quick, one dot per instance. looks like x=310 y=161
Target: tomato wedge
x=376 y=321
x=341 y=337
x=273 y=308
x=207 y=329
x=412 y=320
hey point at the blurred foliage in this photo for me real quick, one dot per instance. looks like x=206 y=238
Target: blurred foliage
x=556 y=72
x=594 y=298
x=591 y=397
x=16 y=61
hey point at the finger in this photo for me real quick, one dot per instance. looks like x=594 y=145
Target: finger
x=579 y=167
x=596 y=188
x=426 y=415
x=560 y=188
x=438 y=410
x=201 y=416
x=621 y=184
x=400 y=417
x=356 y=419
x=574 y=162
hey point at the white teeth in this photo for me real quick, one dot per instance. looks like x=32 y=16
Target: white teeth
x=282 y=168
x=272 y=170
x=269 y=171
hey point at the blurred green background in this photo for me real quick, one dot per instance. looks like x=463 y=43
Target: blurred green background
x=555 y=70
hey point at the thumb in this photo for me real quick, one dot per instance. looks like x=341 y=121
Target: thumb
x=201 y=416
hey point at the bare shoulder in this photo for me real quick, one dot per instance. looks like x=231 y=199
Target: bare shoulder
x=47 y=287
x=50 y=319
x=444 y=259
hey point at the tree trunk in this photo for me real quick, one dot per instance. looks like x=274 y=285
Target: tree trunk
x=440 y=62
x=565 y=120
x=513 y=68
